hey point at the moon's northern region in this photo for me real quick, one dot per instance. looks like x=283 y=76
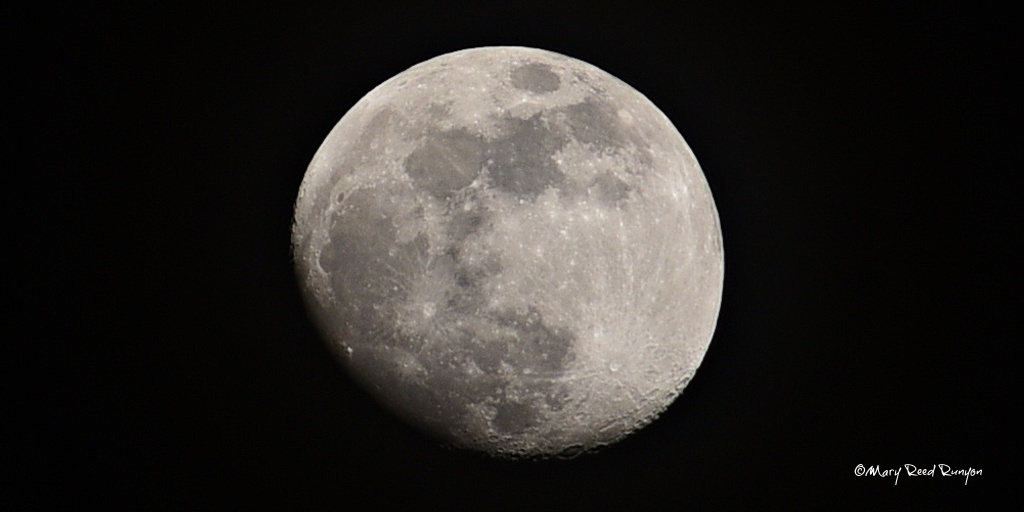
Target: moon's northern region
x=513 y=250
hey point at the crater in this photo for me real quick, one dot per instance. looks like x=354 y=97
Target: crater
x=535 y=77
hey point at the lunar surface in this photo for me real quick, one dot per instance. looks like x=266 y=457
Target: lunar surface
x=513 y=250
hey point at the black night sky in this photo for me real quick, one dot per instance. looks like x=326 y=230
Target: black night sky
x=860 y=160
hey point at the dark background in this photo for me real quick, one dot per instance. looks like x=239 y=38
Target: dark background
x=861 y=160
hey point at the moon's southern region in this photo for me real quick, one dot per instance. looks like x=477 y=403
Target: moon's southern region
x=513 y=250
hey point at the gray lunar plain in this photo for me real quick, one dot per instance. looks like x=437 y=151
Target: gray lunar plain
x=512 y=250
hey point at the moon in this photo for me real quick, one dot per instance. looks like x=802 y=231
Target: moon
x=512 y=250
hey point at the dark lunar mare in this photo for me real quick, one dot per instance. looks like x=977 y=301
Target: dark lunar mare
x=521 y=162
x=535 y=77
x=368 y=269
x=446 y=162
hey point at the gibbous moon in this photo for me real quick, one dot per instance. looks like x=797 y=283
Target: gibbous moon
x=512 y=250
